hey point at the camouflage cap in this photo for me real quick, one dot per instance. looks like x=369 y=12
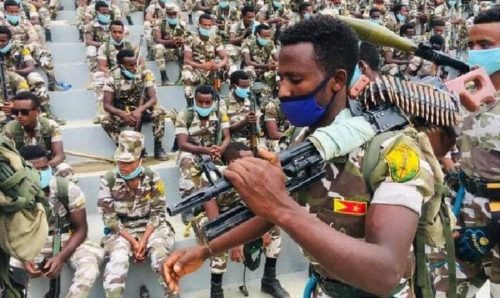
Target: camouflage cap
x=130 y=145
x=171 y=7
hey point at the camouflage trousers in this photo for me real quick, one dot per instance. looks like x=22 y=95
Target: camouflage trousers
x=234 y=53
x=53 y=8
x=130 y=5
x=112 y=124
x=191 y=175
x=43 y=16
x=192 y=77
x=471 y=276
x=163 y=55
x=80 y=17
x=99 y=77
x=44 y=58
x=91 y=54
x=37 y=86
x=85 y=260
x=119 y=251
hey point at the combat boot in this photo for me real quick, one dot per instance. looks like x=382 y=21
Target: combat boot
x=80 y=34
x=159 y=152
x=48 y=35
x=129 y=20
x=216 y=290
x=164 y=79
x=269 y=283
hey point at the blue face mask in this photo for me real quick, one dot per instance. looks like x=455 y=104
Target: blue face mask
x=205 y=32
x=171 y=21
x=103 y=18
x=303 y=110
x=307 y=16
x=489 y=59
x=242 y=92
x=129 y=75
x=277 y=5
x=116 y=43
x=355 y=77
x=134 y=174
x=401 y=18
x=14 y=20
x=262 y=41
x=6 y=48
x=223 y=4
x=45 y=176
x=375 y=21
x=203 y=112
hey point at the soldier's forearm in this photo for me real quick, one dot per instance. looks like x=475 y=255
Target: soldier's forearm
x=75 y=240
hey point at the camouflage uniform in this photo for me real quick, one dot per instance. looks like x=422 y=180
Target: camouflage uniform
x=393 y=69
x=200 y=134
x=197 y=13
x=479 y=144
x=159 y=14
x=267 y=11
x=16 y=83
x=272 y=112
x=163 y=54
x=228 y=17
x=234 y=51
x=88 y=256
x=100 y=34
x=42 y=134
x=127 y=93
x=263 y=55
x=132 y=5
x=203 y=51
x=342 y=199
x=133 y=210
x=236 y=111
x=85 y=14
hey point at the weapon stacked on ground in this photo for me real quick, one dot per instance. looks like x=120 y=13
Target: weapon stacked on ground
x=3 y=79
x=55 y=284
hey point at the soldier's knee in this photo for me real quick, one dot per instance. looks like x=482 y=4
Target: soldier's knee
x=35 y=78
x=91 y=51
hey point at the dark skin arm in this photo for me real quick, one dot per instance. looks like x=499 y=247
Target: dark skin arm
x=389 y=58
x=273 y=132
x=250 y=118
x=89 y=40
x=108 y=107
x=151 y=95
x=168 y=42
x=102 y=65
x=211 y=209
x=188 y=60
x=58 y=155
x=29 y=67
x=185 y=145
x=226 y=134
x=250 y=62
x=79 y=229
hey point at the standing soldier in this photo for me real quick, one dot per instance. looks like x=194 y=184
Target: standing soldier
x=200 y=52
x=66 y=200
x=169 y=36
x=132 y=203
x=124 y=90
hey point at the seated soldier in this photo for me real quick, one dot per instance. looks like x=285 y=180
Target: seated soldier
x=200 y=130
x=154 y=15
x=132 y=203
x=87 y=13
x=305 y=12
x=238 y=32
x=260 y=58
x=202 y=7
x=18 y=59
x=200 y=52
x=130 y=99
x=271 y=240
x=97 y=33
x=16 y=84
x=66 y=200
x=129 y=6
x=396 y=61
x=30 y=129
x=276 y=14
x=169 y=36
x=225 y=15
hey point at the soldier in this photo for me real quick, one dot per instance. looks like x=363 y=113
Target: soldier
x=155 y=14
x=18 y=59
x=397 y=62
x=129 y=6
x=87 y=13
x=123 y=90
x=66 y=200
x=169 y=36
x=305 y=11
x=225 y=15
x=238 y=32
x=202 y=7
x=31 y=129
x=200 y=52
x=338 y=242
x=397 y=17
x=97 y=33
x=200 y=130
x=275 y=127
x=276 y=15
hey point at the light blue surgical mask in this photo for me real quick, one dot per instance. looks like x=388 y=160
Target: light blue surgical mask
x=14 y=20
x=103 y=18
x=18 y=1
x=45 y=176
x=7 y=48
x=307 y=16
x=401 y=18
x=203 y=112
x=132 y=175
x=163 y=1
x=127 y=73
x=223 y=4
x=205 y=32
x=375 y=21
x=117 y=43
x=242 y=92
x=277 y=5
x=355 y=76
x=489 y=59
x=171 y=21
x=262 y=41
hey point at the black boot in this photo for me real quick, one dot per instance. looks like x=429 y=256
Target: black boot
x=80 y=35
x=269 y=283
x=52 y=83
x=190 y=16
x=164 y=79
x=159 y=152
x=48 y=35
x=216 y=290
x=129 y=20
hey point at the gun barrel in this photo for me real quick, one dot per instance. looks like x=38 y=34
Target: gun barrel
x=428 y=53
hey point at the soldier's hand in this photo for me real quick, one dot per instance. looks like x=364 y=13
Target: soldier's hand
x=273 y=65
x=207 y=66
x=266 y=239
x=32 y=269
x=180 y=263
x=215 y=152
x=236 y=254
x=137 y=116
x=53 y=267
x=6 y=107
x=251 y=118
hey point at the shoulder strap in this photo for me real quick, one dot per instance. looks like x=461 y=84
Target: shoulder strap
x=372 y=154
x=17 y=133
x=110 y=179
x=46 y=133
x=189 y=117
x=62 y=191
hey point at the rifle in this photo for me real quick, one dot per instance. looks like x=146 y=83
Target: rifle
x=138 y=125
x=55 y=284
x=3 y=79
x=254 y=130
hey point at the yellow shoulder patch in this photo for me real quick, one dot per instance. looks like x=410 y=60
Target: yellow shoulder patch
x=224 y=118
x=404 y=163
x=148 y=77
x=160 y=187
x=23 y=85
x=25 y=52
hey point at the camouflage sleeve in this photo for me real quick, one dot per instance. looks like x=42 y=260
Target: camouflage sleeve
x=158 y=204
x=180 y=123
x=149 y=78
x=245 y=47
x=188 y=45
x=32 y=35
x=26 y=53
x=89 y=28
x=219 y=44
x=105 y=204
x=55 y=129
x=485 y=127
x=101 y=52
x=224 y=121
x=117 y=12
x=76 y=197
x=402 y=176
x=233 y=28
x=109 y=84
x=150 y=9
x=271 y=112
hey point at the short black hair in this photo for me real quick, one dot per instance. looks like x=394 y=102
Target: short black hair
x=31 y=152
x=5 y=30
x=205 y=89
x=204 y=16
x=122 y=54
x=491 y=15
x=436 y=39
x=10 y=3
x=232 y=151
x=404 y=28
x=438 y=22
x=246 y=9
x=100 y=4
x=116 y=23
x=369 y=53
x=261 y=27
x=26 y=95
x=303 y=6
x=372 y=10
x=238 y=75
x=324 y=33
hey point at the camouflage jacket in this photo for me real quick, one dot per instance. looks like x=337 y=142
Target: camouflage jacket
x=17 y=56
x=90 y=13
x=479 y=142
x=99 y=32
x=158 y=12
x=46 y=132
x=167 y=31
x=108 y=51
x=209 y=3
x=258 y=53
x=124 y=208
x=200 y=133
x=24 y=32
x=128 y=92
x=203 y=50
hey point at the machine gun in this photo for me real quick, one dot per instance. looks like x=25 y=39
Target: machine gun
x=55 y=284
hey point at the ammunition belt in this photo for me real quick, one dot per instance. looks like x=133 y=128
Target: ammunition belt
x=334 y=288
x=482 y=187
